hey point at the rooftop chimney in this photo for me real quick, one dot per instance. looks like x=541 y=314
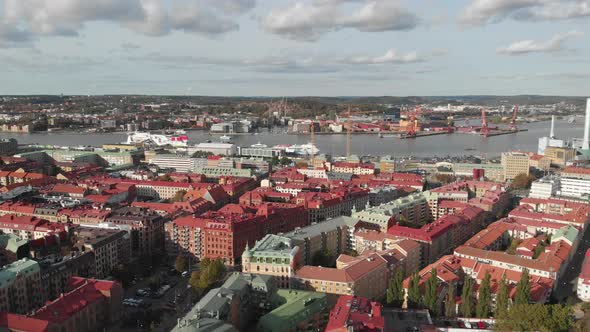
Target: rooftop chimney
x=552 y=133
x=585 y=144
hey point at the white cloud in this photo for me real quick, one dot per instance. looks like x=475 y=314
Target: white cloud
x=392 y=56
x=284 y=64
x=481 y=12
x=554 y=44
x=24 y=20
x=308 y=20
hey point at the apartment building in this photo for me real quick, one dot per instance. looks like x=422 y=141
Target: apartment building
x=20 y=286
x=273 y=255
x=575 y=182
x=412 y=209
x=333 y=236
x=111 y=248
x=367 y=277
x=183 y=236
x=560 y=156
x=87 y=305
x=515 y=163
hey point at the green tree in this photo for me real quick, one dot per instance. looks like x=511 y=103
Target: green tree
x=484 y=299
x=154 y=283
x=179 y=196
x=323 y=258
x=414 y=296
x=213 y=271
x=395 y=291
x=202 y=154
x=123 y=275
x=522 y=181
x=285 y=161
x=450 y=301
x=537 y=317
x=180 y=263
x=523 y=289
x=431 y=294
x=275 y=161
x=502 y=298
x=194 y=281
x=466 y=307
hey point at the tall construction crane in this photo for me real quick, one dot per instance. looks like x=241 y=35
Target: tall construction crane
x=312 y=143
x=485 y=130
x=348 y=125
x=513 y=126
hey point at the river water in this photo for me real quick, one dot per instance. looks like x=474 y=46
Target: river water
x=370 y=144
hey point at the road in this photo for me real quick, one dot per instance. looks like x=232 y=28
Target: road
x=567 y=283
x=170 y=310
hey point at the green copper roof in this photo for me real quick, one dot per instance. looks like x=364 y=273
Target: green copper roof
x=294 y=307
x=9 y=272
x=11 y=242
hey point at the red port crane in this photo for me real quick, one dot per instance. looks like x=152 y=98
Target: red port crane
x=513 y=126
x=485 y=130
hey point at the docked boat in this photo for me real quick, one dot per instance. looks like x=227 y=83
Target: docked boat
x=302 y=150
x=157 y=139
x=180 y=132
x=258 y=145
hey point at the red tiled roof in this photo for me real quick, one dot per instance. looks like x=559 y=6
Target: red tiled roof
x=357 y=313
x=86 y=292
x=14 y=322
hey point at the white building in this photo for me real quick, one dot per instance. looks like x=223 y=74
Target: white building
x=546 y=187
x=574 y=187
x=225 y=149
x=583 y=286
x=179 y=163
x=575 y=182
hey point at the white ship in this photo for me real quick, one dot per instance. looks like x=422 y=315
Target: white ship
x=258 y=145
x=159 y=140
x=225 y=138
x=180 y=132
x=302 y=150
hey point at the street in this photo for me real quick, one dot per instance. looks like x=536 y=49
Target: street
x=175 y=303
x=567 y=286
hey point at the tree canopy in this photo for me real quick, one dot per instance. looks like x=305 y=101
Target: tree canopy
x=466 y=307
x=536 y=317
x=522 y=181
x=523 y=289
x=395 y=290
x=180 y=263
x=484 y=299
x=431 y=292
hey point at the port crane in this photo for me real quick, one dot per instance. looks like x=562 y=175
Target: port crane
x=513 y=126
x=485 y=130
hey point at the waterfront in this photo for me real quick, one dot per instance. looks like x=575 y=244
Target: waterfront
x=362 y=144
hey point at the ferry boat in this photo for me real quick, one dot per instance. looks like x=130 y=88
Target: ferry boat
x=302 y=150
x=159 y=140
x=258 y=145
x=225 y=138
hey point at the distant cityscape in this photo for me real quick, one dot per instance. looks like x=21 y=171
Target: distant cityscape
x=162 y=232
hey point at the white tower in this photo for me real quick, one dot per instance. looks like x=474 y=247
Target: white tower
x=585 y=144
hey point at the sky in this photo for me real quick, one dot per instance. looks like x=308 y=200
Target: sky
x=295 y=47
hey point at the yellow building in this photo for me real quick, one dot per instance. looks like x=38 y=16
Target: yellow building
x=560 y=156
x=515 y=163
